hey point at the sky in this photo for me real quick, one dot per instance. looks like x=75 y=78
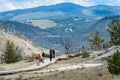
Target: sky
x=6 y=5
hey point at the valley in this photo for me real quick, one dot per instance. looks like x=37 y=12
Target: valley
x=46 y=25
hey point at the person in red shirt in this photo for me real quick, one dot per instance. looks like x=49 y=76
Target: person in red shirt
x=37 y=59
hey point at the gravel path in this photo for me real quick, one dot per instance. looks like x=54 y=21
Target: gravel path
x=42 y=72
x=33 y=67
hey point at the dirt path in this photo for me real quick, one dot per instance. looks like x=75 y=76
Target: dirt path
x=33 y=67
x=42 y=72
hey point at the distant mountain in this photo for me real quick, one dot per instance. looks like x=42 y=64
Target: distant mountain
x=76 y=29
x=52 y=36
x=40 y=12
x=101 y=26
x=70 y=26
x=24 y=31
x=63 y=10
x=46 y=25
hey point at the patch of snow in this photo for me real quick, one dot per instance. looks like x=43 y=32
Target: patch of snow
x=68 y=30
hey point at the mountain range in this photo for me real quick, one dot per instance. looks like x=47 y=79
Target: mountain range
x=62 y=10
x=46 y=25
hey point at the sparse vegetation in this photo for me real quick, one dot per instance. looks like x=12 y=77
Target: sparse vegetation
x=97 y=73
x=10 y=55
x=114 y=31
x=85 y=54
x=100 y=74
x=62 y=71
x=67 y=45
x=20 y=77
x=114 y=63
x=2 y=79
x=96 y=41
x=30 y=58
x=47 y=55
x=82 y=68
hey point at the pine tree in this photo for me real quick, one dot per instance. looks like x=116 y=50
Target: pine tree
x=96 y=41
x=114 y=31
x=9 y=54
x=114 y=63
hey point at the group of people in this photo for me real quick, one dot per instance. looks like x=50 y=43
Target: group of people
x=40 y=57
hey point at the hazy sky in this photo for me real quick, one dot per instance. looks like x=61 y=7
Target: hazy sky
x=6 y=5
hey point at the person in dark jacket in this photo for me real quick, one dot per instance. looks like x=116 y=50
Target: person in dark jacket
x=51 y=54
x=43 y=57
x=43 y=54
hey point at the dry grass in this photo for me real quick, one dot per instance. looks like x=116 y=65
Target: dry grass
x=4 y=67
x=92 y=73
x=62 y=63
x=96 y=73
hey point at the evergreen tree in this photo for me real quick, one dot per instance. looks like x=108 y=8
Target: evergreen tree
x=114 y=31
x=96 y=41
x=9 y=54
x=114 y=63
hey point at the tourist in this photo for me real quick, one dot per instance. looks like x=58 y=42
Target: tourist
x=51 y=54
x=43 y=57
x=37 y=58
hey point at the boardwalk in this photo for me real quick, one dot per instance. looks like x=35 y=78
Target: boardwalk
x=33 y=67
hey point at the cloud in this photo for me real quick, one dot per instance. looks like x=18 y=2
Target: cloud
x=20 y=4
x=107 y=2
x=6 y=5
x=82 y=2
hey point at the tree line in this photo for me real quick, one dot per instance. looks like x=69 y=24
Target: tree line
x=96 y=42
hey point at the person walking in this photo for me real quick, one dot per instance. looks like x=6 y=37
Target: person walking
x=51 y=54
x=37 y=59
x=43 y=57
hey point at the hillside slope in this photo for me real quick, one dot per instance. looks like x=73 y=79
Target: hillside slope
x=22 y=46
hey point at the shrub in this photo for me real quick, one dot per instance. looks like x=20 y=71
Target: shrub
x=20 y=77
x=82 y=68
x=100 y=54
x=30 y=58
x=114 y=31
x=10 y=55
x=114 y=63
x=85 y=54
x=47 y=55
x=2 y=79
